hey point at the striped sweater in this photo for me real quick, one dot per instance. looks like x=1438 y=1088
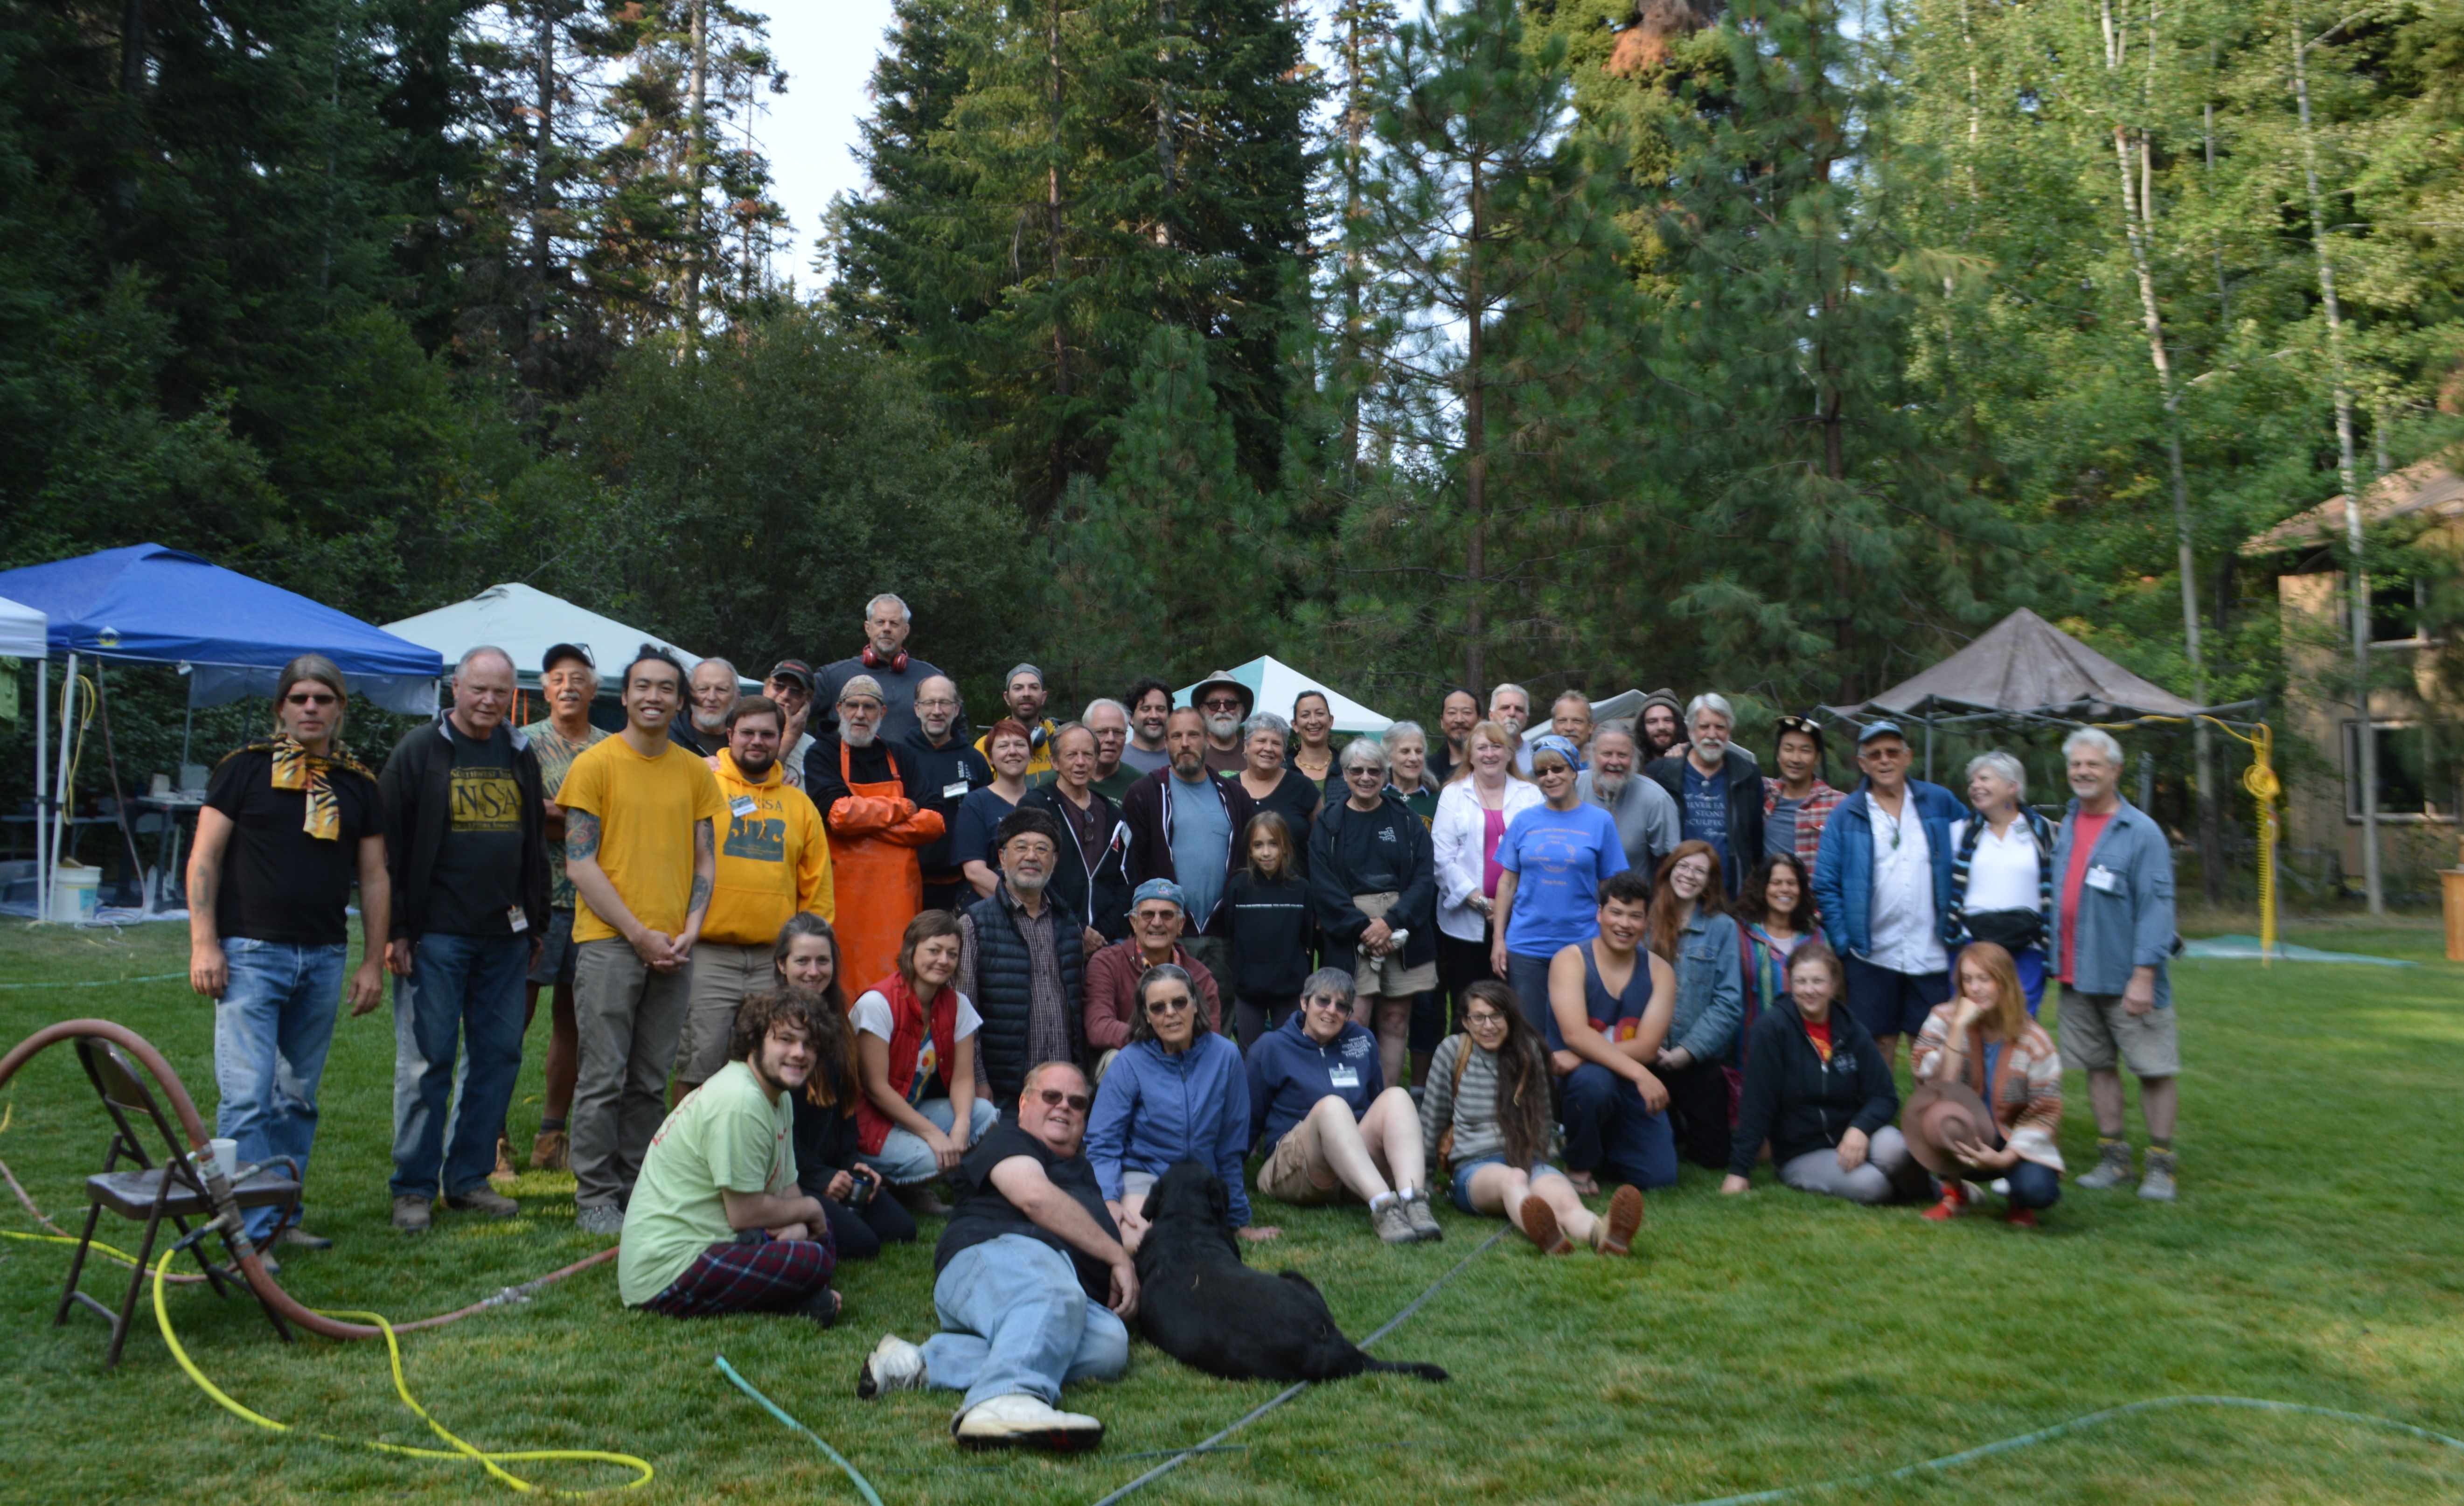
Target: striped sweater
x=2031 y=1106
x=1468 y=1106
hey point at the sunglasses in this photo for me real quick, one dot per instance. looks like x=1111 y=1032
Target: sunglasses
x=1323 y=1002
x=1169 y=1007
x=1055 y=1098
x=308 y=698
x=1223 y=703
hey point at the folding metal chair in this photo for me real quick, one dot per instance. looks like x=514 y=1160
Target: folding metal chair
x=150 y=1193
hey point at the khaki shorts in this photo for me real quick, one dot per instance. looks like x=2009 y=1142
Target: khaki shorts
x=1386 y=976
x=1286 y=1178
x=2097 y=1032
x=723 y=977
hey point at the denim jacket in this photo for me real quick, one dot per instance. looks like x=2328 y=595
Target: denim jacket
x=1711 y=987
x=2128 y=926
x=1843 y=869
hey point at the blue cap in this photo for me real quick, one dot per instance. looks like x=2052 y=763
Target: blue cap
x=1555 y=742
x=1158 y=889
x=1875 y=729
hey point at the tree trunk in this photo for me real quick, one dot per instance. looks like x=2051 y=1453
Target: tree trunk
x=1476 y=440
x=1163 y=121
x=542 y=178
x=697 y=164
x=132 y=89
x=2367 y=751
x=1057 y=459
x=1356 y=127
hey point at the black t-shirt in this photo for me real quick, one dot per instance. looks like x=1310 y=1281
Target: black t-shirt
x=1371 y=849
x=279 y=883
x=476 y=882
x=981 y=1213
x=1294 y=800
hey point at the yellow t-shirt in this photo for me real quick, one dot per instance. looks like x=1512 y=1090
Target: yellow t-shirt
x=647 y=808
x=774 y=859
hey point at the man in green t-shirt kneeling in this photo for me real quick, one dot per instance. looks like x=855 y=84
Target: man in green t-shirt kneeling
x=716 y=1224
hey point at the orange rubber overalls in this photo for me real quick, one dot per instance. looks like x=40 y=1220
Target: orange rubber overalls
x=874 y=833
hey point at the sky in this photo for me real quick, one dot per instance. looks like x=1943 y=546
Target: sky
x=827 y=48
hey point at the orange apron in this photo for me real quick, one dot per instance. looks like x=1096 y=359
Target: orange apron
x=880 y=887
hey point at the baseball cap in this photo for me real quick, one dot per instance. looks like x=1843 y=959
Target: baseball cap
x=795 y=671
x=1875 y=729
x=566 y=651
x=1157 y=889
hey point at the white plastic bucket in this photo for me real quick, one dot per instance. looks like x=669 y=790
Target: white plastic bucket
x=74 y=892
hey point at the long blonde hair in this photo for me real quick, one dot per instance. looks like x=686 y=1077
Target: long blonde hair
x=2009 y=1017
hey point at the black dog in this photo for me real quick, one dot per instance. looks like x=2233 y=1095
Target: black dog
x=1199 y=1304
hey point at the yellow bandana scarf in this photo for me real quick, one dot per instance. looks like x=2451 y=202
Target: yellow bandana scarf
x=294 y=767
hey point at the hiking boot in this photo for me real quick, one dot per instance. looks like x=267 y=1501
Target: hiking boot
x=412 y=1215
x=1424 y=1219
x=1540 y=1223
x=1018 y=1419
x=893 y=1365
x=607 y=1222
x=504 y=1160
x=1954 y=1199
x=1393 y=1224
x=549 y=1152
x=485 y=1199
x=2157 y=1185
x=1615 y=1234
x=300 y=1238
x=2112 y=1165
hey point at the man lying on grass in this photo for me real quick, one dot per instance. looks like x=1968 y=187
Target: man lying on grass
x=1030 y=1280
x=718 y=1224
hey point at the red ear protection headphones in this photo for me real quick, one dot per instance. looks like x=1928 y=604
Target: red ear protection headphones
x=874 y=660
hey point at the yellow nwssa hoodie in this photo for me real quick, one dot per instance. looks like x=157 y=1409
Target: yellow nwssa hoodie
x=774 y=858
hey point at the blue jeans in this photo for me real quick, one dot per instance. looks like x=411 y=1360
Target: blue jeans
x=1015 y=1319
x=272 y=1029
x=466 y=992
x=904 y=1159
x=2031 y=963
x=1609 y=1130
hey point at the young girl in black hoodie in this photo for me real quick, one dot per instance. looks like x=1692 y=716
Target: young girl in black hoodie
x=1271 y=929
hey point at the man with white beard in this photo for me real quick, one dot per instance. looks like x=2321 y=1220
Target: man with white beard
x=712 y=690
x=1646 y=816
x=1718 y=788
x=1225 y=703
x=1510 y=706
x=872 y=798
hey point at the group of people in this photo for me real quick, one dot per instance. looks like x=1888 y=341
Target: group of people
x=813 y=952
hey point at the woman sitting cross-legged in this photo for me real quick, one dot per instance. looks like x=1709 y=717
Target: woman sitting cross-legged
x=1486 y=1114
x=920 y=1110
x=1819 y=1088
x=829 y=1142
x=1984 y=1038
x=1331 y=1125
x=1178 y=1091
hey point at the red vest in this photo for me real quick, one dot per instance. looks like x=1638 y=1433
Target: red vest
x=907 y=1027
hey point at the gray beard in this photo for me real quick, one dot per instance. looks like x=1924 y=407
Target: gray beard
x=1223 y=727
x=859 y=737
x=1712 y=757
x=1607 y=787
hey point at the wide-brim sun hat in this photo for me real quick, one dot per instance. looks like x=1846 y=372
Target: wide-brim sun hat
x=1940 y=1114
x=1215 y=677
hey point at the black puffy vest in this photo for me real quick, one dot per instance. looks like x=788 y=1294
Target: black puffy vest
x=1005 y=994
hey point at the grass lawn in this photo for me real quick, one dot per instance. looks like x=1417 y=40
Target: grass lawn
x=1752 y=1343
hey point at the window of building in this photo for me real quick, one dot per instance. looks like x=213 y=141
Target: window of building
x=2417 y=775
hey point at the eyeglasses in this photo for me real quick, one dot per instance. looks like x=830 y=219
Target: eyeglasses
x=1483 y=1022
x=934 y=703
x=1169 y=1006
x=300 y=697
x=1055 y=1098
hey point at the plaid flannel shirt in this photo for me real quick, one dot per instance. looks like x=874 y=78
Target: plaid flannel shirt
x=1810 y=815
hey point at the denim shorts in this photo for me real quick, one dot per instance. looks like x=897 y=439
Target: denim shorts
x=1464 y=1170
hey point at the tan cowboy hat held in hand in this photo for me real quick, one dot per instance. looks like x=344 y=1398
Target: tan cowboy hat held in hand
x=1939 y=1115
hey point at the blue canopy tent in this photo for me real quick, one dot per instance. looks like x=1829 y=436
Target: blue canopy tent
x=228 y=634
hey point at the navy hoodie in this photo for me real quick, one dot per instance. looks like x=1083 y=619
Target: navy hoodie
x=1288 y=1072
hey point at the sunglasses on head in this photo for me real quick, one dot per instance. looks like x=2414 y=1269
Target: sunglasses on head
x=1054 y=1098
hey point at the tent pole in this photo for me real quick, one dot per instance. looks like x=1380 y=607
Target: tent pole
x=1928 y=747
x=60 y=779
x=188 y=723
x=42 y=806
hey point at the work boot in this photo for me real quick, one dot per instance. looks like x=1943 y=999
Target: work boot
x=2157 y=1185
x=504 y=1160
x=485 y=1199
x=2112 y=1165
x=549 y=1152
x=412 y=1214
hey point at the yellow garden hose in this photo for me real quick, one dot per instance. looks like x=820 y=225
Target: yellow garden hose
x=2263 y=786
x=460 y=1454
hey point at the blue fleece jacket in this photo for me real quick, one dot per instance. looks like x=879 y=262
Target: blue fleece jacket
x=1843 y=869
x=1156 y=1108
x=1288 y=1072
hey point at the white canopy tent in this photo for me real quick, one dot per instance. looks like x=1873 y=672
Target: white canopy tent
x=526 y=622
x=22 y=631
x=1276 y=684
x=23 y=635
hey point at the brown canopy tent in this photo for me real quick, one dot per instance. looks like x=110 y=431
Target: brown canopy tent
x=2024 y=670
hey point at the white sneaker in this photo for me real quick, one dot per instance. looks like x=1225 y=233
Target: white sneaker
x=1018 y=1419
x=893 y=1365
x=607 y=1223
